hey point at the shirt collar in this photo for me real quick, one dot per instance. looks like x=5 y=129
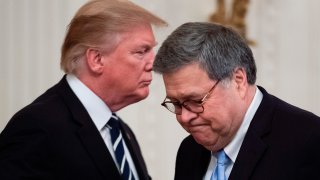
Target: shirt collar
x=97 y=109
x=232 y=149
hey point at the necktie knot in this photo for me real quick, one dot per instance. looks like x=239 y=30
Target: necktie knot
x=222 y=163
x=118 y=147
x=222 y=158
x=113 y=121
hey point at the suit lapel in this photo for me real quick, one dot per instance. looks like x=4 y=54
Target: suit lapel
x=251 y=151
x=89 y=134
x=135 y=152
x=253 y=146
x=95 y=146
x=201 y=166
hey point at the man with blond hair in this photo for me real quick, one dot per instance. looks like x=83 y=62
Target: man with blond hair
x=71 y=131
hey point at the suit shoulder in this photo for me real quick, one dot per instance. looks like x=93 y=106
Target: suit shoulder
x=189 y=141
x=47 y=107
x=289 y=111
x=192 y=160
x=190 y=147
x=43 y=112
x=284 y=109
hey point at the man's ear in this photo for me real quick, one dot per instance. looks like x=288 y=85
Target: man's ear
x=94 y=60
x=240 y=78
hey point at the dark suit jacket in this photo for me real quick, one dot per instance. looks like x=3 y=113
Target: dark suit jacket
x=282 y=142
x=55 y=138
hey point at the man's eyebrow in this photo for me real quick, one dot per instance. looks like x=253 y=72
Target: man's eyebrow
x=171 y=98
x=185 y=97
x=146 y=46
x=149 y=44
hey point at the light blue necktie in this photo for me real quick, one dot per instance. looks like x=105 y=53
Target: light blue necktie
x=117 y=141
x=222 y=162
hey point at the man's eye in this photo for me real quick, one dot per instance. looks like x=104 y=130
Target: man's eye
x=193 y=103
x=177 y=103
x=199 y=101
x=140 y=52
x=143 y=51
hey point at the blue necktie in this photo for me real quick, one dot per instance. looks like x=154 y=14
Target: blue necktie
x=222 y=162
x=117 y=143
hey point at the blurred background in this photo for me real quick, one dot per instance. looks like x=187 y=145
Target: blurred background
x=286 y=36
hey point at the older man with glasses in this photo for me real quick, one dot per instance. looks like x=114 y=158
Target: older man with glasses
x=191 y=105
x=237 y=130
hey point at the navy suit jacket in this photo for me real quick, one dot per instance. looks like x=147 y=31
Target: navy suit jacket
x=282 y=142
x=55 y=138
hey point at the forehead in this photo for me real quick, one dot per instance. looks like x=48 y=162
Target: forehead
x=141 y=35
x=186 y=82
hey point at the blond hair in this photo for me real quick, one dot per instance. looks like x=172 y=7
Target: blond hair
x=98 y=22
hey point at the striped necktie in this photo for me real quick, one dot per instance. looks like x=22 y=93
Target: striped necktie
x=222 y=162
x=117 y=143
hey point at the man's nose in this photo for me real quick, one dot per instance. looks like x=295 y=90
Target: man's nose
x=150 y=60
x=187 y=115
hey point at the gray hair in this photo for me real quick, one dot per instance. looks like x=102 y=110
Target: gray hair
x=218 y=50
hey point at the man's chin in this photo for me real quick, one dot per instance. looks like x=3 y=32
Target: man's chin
x=200 y=139
x=142 y=94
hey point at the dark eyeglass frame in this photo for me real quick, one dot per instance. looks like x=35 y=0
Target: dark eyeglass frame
x=185 y=103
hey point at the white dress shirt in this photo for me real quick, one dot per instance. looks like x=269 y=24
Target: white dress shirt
x=233 y=148
x=100 y=115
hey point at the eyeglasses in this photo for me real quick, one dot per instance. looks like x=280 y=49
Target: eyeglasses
x=191 y=105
